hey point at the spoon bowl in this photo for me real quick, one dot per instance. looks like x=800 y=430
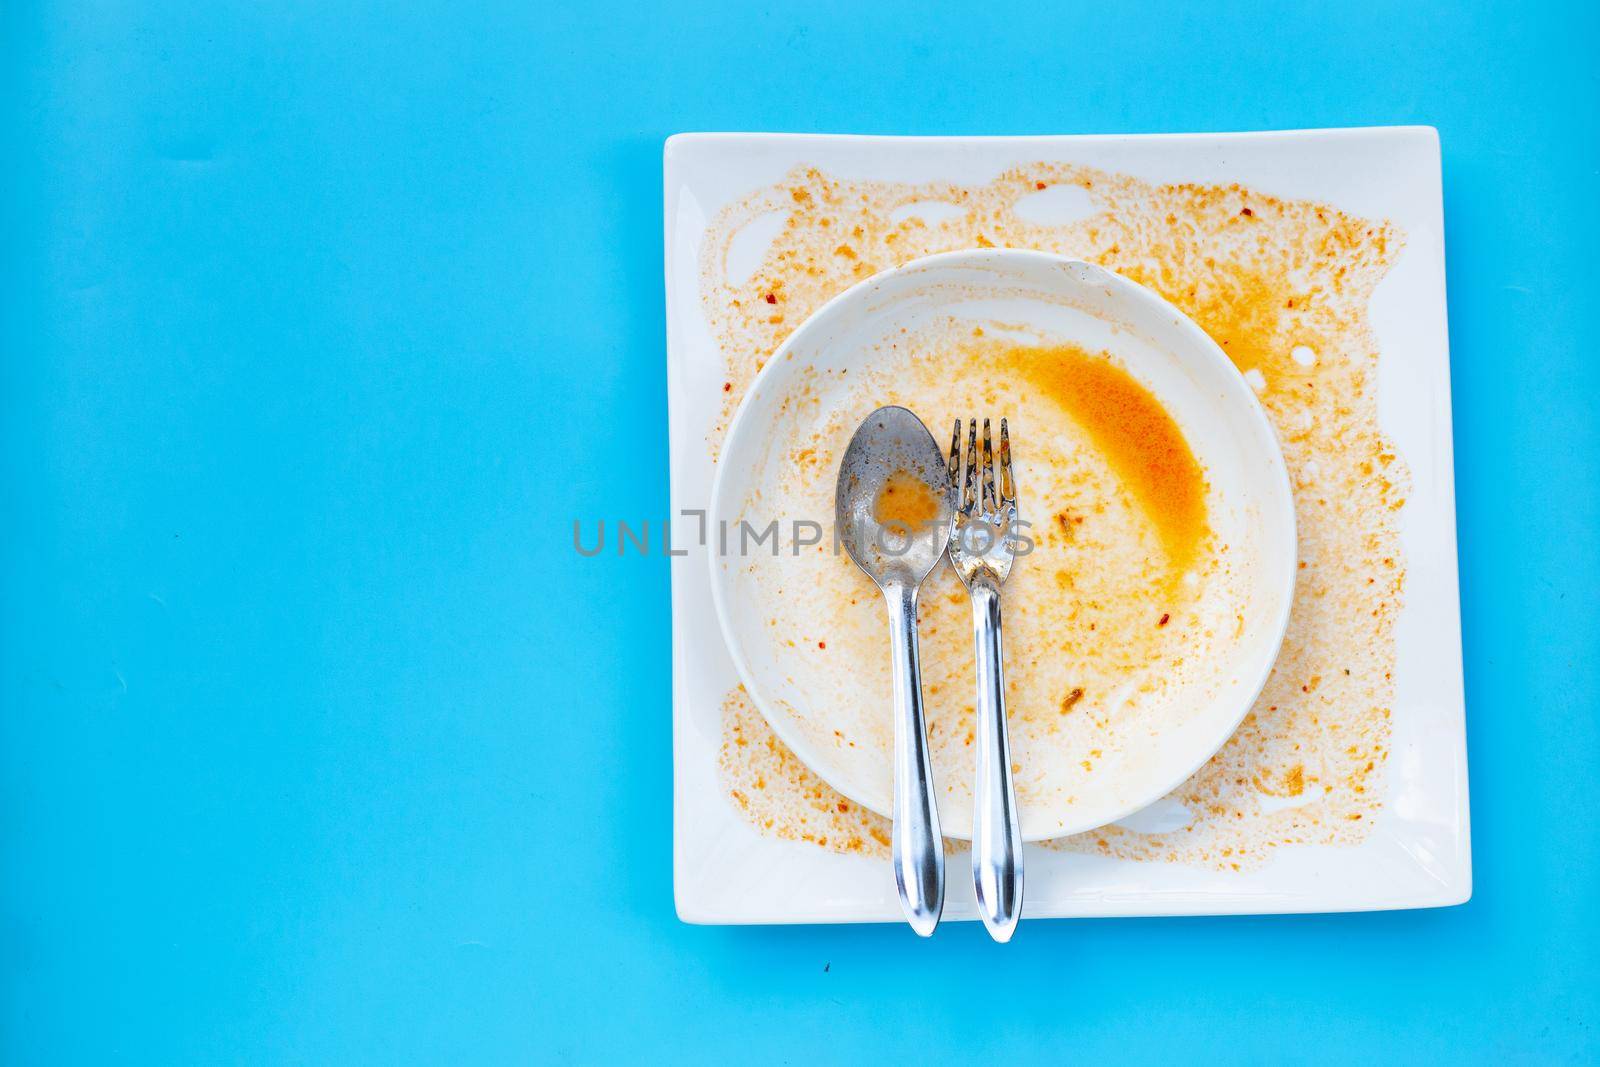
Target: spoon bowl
x=891 y=450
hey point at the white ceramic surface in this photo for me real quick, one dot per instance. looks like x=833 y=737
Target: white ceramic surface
x=1418 y=854
x=1059 y=301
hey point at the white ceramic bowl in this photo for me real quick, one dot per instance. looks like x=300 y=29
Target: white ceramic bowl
x=1048 y=297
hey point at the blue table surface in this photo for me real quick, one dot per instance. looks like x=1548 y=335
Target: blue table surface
x=320 y=745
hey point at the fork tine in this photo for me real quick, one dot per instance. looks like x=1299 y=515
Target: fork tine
x=955 y=456
x=989 y=483
x=1008 y=485
x=969 y=486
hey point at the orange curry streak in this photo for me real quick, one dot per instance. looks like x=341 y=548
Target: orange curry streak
x=907 y=501
x=1142 y=442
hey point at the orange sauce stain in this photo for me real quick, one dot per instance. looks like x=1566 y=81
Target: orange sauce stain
x=1249 y=314
x=906 y=500
x=1141 y=441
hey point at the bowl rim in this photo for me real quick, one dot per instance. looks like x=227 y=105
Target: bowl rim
x=1120 y=286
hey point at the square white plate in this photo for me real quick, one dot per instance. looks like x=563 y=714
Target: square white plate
x=1418 y=854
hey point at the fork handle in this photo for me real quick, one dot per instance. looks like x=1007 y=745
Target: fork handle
x=996 y=834
x=916 y=844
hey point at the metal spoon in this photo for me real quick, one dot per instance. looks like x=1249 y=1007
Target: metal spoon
x=894 y=441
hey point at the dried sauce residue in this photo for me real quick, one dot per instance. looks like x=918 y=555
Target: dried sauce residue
x=906 y=501
x=1136 y=434
x=1283 y=287
x=781 y=795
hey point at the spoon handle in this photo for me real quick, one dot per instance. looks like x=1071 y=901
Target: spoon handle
x=996 y=835
x=917 y=845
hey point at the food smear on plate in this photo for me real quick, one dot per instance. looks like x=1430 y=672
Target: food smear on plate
x=1282 y=286
x=757 y=768
x=1137 y=435
x=905 y=501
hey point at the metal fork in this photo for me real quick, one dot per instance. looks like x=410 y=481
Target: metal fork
x=982 y=547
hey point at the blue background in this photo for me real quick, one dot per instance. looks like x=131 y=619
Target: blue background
x=320 y=745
